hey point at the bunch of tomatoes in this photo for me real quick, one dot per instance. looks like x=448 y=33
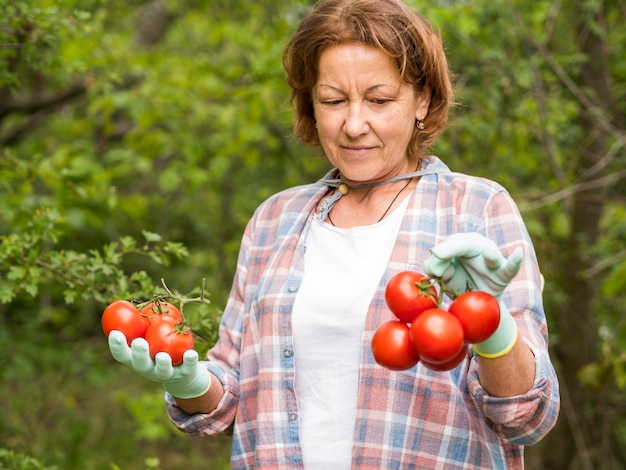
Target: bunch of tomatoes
x=159 y=322
x=426 y=332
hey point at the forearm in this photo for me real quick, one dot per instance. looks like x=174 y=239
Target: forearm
x=509 y=375
x=205 y=403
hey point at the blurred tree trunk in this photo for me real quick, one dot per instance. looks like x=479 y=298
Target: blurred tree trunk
x=581 y=431
x=152 y=23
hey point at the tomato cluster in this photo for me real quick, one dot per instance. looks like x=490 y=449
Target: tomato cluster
x=426 y=332
x=159 y=322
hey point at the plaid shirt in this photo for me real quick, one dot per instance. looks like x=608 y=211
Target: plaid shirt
x=410 y=419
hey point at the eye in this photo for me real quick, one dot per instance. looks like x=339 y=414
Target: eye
x=332 y=102
x=380 y=101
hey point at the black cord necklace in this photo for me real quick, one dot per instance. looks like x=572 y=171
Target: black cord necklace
x=388 y=208
x=342 y=189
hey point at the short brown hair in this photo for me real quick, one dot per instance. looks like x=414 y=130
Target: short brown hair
x=389 y=25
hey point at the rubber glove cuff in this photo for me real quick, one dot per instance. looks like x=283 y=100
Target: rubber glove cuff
x=502 y=340
x=187 y=380
x=193 y=386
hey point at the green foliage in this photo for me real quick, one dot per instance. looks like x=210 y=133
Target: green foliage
x=31 y=261
x=134 y=150
x=10 y=460
x=124 y=162
x=70 y=404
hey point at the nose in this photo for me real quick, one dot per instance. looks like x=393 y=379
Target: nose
x=356 y=122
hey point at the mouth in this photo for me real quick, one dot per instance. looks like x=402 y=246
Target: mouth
x=356 y=148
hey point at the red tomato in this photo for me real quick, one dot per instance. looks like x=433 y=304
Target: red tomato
x=159 y=308
x=447 y=365
x=437 y=336
x=410 y=293
x=392 y=347
x=166 y=334
x=123 y=316
x=479 y=314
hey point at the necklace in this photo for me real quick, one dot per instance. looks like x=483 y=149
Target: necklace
x=327 y=203
x=384 y=213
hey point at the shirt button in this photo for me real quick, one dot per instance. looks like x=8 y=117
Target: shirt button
x=293 y=417
x=293 y=287
x=287 y=352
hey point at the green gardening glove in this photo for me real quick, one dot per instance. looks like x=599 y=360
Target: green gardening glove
x=470 y=261
x=187 y=380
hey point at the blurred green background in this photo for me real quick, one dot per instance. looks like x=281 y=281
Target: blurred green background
x=137 y=138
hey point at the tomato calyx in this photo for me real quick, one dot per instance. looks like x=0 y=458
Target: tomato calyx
x=425 y=286
x=181 y=328
x=408 y=294
x=158 y=306
x=166 y=334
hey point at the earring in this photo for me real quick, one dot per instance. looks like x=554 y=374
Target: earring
x=419 y=124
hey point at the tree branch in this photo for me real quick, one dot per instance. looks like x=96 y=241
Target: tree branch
x=587 y=102
x=34 y=102
x=603 y=162
x=605 y=264
x=576 y=188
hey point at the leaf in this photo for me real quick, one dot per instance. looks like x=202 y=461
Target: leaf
x=16 y=273
x=7 y=293
x=151 y=237
x=593 y=376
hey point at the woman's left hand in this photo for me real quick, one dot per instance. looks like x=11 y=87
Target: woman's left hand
x=467 y=261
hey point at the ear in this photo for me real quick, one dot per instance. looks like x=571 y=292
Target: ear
x=423 y=103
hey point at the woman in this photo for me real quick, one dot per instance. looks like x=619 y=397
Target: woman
x=293 y=373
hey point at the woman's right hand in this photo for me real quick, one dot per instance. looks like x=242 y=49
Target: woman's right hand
x=187 y=380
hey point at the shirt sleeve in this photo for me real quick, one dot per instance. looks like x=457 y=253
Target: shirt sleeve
x=526 y=418
x=224 y=358
x=218 y=421
x=522 y=419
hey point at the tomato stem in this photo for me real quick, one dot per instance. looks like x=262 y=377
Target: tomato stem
x=444 y=289
x=159 y=301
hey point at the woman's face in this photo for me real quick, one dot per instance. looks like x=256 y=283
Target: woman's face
x=365 y=113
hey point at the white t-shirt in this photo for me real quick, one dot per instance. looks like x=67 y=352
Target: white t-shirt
x=343 y=267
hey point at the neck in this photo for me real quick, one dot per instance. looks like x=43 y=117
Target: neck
x=367 y=206
x=406 y=173
x=341 y=189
